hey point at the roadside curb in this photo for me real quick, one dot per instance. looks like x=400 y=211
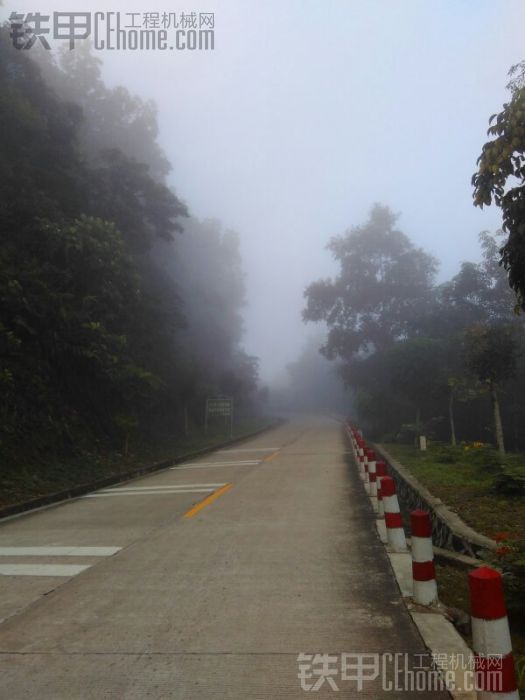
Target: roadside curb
x=438 y=634
x=56 y=498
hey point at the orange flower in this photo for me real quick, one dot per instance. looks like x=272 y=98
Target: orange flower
x=503 y=551
x=501 y=536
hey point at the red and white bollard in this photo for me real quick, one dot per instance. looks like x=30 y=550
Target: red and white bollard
x=370 y=455
x=380 y=472
x=372 y=487
x=351 y=433
x=354 y=444
x=494 y=663
x=361 y=458
x=381 y=528
x=423 y=570
x=394 y=524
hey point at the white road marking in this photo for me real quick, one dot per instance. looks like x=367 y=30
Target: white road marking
x=162 y=488
x=214 y=466
x=58 y=551
x=123 y=492
x=41 y=569
x=198 y=465
x=249 y=449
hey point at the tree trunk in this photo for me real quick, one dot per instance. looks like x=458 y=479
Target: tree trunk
x=498 y=428
x=186 y=422
x=453 y=440
x=418 y=426
x=516 y=426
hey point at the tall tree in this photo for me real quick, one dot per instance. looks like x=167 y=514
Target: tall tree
x=113 y=118
x=383 y=283
x=491 y=355
x=501 y=178
x=314 y=383
x=418 y=372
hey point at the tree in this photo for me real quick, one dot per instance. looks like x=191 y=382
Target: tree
x=99 y=340
x=383 y=285
x=113 y=118
x=501 y=177
x=381 y=409
x=66 y=314
x=491 y=356
x=314 y=383
x=417 y=370
x=121 y=190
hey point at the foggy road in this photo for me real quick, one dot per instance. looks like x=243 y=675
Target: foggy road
x=213 y=217
x=207 y=581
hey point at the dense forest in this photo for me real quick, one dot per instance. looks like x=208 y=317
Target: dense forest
x=444 y=359
x=120 y=312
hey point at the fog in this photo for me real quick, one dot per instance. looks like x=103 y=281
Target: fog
x=306 y=113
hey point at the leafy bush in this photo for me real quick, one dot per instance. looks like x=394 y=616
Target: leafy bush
x=486 y=458
x=510 y=482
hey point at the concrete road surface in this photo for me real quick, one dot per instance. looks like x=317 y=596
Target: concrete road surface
x=209 y=580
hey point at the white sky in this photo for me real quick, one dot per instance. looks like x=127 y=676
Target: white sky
x=307 y=112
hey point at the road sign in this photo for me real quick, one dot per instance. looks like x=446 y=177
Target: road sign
x=222 y=406
x=219 y=406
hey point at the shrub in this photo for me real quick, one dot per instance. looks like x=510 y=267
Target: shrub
x=509 y=482
x=486 y=458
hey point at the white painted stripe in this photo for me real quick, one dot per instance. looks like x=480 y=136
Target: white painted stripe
x=250 y=449
x=215 y=466
x=41 y=569
x=425 y=592
x=58 y=551
x=513 y=695
x=491 y=636
x=147 y=493
x=422 y=549
x=116 y=492
x=391 y=504
x=162 y=488
x=194 y=465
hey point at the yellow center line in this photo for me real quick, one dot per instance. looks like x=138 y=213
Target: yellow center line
x=272 y=456
x=206 y=501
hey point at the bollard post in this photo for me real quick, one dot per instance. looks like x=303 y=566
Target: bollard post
x=393 y=520
x=380 y=472
x=372 y=487
x=423 y=570
x=368 y=455
x=494 y=662
x=361 y=459
x=355 y=445
x=381 y=527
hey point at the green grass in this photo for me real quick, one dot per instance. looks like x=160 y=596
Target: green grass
x=467 y=484
x=33 y=477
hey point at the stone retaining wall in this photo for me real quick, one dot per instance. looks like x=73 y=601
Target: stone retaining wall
x=449 y=531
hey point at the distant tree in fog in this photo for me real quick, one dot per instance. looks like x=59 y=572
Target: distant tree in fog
x=383 y=284
x=491 y=354
x=314 y=383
